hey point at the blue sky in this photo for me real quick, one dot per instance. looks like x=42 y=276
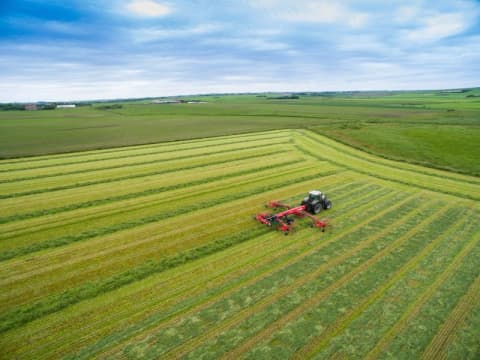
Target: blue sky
x=74 y=50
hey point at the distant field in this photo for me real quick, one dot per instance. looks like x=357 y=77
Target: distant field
x=151 y=251
x=447 y=138
x=451 y=147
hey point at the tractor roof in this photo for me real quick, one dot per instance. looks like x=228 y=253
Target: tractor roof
x=315 y=192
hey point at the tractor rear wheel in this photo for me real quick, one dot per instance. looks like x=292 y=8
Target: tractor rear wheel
x=317 y=208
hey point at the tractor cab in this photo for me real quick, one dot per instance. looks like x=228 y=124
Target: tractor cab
x=315 y=195
x=316 y=201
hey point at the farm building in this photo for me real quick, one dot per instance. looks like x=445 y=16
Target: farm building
x=66 y=106
x=31 y=107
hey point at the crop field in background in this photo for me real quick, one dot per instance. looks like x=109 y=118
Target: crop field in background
x=432 y=128
x=151 y=251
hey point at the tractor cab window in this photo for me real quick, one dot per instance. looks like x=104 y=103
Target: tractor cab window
x=312 y=196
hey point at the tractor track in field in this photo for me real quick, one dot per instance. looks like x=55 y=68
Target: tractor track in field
x=414 y=308
x=293 y=260
x=438 y=346
x=318 y=342
x=189 y=345
x=322 y=294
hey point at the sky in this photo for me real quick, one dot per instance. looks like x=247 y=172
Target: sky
x=54 y=50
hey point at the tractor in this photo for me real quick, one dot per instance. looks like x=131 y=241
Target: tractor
x=316 y=201
x=311 y=205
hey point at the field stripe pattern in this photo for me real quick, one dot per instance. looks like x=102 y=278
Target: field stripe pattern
x=151 y=251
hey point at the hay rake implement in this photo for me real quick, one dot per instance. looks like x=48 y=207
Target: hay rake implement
x=311 y=205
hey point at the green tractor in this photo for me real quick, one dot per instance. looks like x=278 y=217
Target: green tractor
x=316 y=201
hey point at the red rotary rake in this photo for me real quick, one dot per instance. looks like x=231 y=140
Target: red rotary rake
x=312 y=204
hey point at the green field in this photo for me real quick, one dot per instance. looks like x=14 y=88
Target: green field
x=150 y=251
x=431 y=128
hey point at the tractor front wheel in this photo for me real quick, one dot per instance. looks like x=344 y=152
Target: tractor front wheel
x=328 y=205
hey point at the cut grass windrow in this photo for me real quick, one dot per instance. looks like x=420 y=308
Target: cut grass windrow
x=293 y=306
x=454 y=187
x=41 y=308
x=211 y=141
x=437 y=349
x=361 y=155
x=126 y=177
x=292 y=241
x=302 y=277
x=139 y=194
x=414 y=308
x=452 y=220
x=31 y=312
x=130 y=166
x=268 y=271
x=133 y=223
x=123 y=157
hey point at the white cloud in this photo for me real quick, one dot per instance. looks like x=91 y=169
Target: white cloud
x=437 y=27
x=314 y=11
x=149 y=34
x=148 y=8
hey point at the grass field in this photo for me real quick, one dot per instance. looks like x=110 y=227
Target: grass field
x=431 y=128
x=151 y=251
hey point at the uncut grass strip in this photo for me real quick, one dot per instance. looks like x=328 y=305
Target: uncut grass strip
x=313 y=299
x=438 y=347
x=236 y=159
x=66 y=172
x=278 y=141
x=22 y=316
x=132 y=176
x=414 y=308
x=390 y=163
x=130 y=148
x=319 y=342
x=190 y=343
x=398 y=175
x=68 y=239
x=141 y=194
x=81 y=267
x=270 y=270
